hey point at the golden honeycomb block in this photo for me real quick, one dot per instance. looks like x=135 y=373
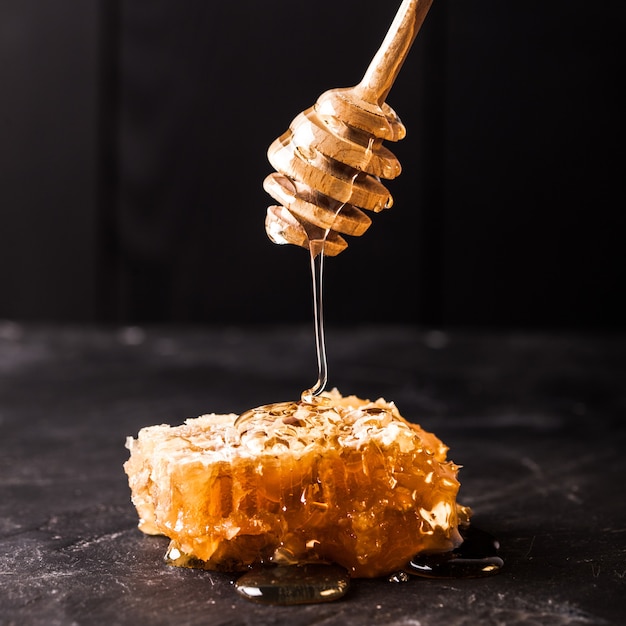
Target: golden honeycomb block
x=346 y=481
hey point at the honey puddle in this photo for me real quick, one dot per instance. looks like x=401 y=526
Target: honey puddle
x=310 y=583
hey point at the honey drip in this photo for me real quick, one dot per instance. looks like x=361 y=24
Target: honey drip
x=311 y=397
x=316 y=248
x=316 y=239
x=316 y=242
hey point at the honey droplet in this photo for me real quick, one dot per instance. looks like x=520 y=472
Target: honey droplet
x=398 y=577
x=177 y=558
x=310 y=583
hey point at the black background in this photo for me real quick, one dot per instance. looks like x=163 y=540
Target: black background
x=132 y=152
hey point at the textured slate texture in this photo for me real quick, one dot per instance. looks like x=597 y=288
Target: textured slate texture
x=536 y=420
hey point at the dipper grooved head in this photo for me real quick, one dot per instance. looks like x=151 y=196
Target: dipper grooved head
x=330 y=161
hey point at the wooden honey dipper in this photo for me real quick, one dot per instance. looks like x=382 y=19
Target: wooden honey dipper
x=330 y=161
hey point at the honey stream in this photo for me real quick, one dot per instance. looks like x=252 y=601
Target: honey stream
x=316 y=242
x=312 y=396
x=316 y=249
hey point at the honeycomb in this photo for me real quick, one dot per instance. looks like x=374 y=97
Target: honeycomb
x=343 y=480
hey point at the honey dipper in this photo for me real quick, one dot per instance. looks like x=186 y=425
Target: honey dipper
x=330 y=161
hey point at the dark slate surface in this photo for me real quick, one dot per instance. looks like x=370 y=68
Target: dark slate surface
x=537 y=421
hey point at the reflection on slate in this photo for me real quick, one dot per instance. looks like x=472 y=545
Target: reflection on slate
x=535 y=420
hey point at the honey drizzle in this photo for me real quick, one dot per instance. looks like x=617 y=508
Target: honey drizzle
x=313 y=396
x=317 y=241
x=316 y=249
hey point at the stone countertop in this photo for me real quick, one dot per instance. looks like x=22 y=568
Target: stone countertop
x=535 y=419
